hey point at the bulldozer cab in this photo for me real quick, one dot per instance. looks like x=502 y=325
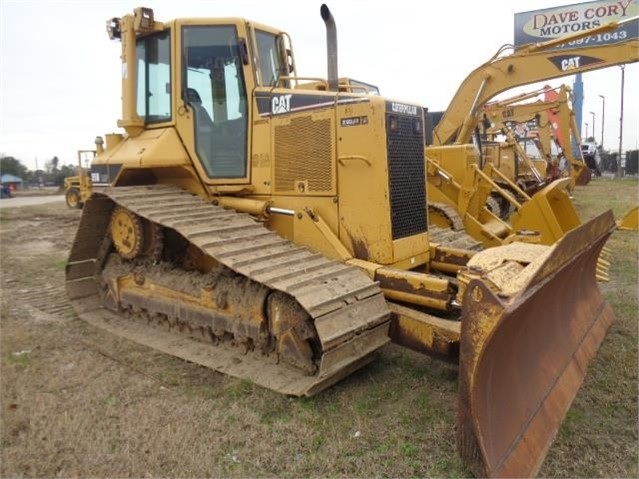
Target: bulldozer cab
x=196 y=75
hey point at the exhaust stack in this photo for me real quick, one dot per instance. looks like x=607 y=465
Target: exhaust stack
x=331 y=46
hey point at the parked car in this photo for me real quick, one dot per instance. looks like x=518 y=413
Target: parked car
x=5 y=192
x=590 y=154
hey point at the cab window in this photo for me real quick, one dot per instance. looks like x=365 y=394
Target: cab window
x=154 y=77
x=270 y=67
x=214 y=89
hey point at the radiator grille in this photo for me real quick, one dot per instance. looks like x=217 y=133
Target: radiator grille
x=303 y=153
x=407 y=182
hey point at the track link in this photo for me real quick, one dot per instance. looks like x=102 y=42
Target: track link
x=347 y=309
x=453 y=237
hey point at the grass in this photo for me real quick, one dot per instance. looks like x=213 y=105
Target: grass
x=84 y=403
x=602 y=423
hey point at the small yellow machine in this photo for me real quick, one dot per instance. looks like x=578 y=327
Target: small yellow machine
x=77 y=189
x=276 y=230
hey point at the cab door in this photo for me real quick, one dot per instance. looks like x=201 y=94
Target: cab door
x=214 y=110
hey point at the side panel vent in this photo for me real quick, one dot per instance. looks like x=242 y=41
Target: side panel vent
x=303 y=151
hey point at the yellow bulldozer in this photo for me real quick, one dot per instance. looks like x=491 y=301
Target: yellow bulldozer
x=276 y=231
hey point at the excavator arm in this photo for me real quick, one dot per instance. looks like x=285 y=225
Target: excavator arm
x=555 y=122
x=512 y=110
x=530 y=64
x=566 y=132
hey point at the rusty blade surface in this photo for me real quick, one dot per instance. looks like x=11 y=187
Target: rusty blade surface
x=524 y=358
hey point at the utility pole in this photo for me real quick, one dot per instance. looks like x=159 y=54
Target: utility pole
x=619 y=168
x=603 y=117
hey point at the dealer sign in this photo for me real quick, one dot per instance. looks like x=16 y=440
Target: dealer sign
x=543 y=25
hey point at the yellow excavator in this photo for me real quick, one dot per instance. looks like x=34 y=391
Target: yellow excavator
x=549 y=125
x=276 y=231
x=460 y=189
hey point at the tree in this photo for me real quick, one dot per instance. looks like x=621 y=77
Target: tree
x=58 y=177
x=51 y=166
x=12 y=166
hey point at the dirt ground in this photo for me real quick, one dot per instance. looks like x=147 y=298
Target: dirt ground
x=79 y=402
x=19 y=201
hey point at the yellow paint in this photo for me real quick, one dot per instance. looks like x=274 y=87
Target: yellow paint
x=630 y=221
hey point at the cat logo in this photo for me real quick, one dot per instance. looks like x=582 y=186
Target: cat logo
x=567 y=63
x=281 y=104
x=570 y=63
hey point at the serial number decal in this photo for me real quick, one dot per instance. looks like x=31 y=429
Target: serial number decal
x=354 y=121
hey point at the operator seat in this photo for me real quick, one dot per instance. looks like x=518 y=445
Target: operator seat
x=221 y=145
x=203 y=128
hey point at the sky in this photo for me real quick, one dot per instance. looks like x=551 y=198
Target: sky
x=60 y=73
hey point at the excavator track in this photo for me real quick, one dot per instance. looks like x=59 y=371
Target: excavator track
x=453 y=237
x=190 y=313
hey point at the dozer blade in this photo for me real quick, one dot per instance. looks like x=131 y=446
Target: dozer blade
x=630 y=221
x=524 y=353
x=550 y=211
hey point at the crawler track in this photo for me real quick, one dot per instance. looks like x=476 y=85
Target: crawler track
x=453 y=237
x=347 y=310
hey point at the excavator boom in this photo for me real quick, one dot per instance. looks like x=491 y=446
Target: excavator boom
x=491 y=206
x=524 y=66
x=553 y=122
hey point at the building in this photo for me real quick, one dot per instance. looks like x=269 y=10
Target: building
x=11 y=182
